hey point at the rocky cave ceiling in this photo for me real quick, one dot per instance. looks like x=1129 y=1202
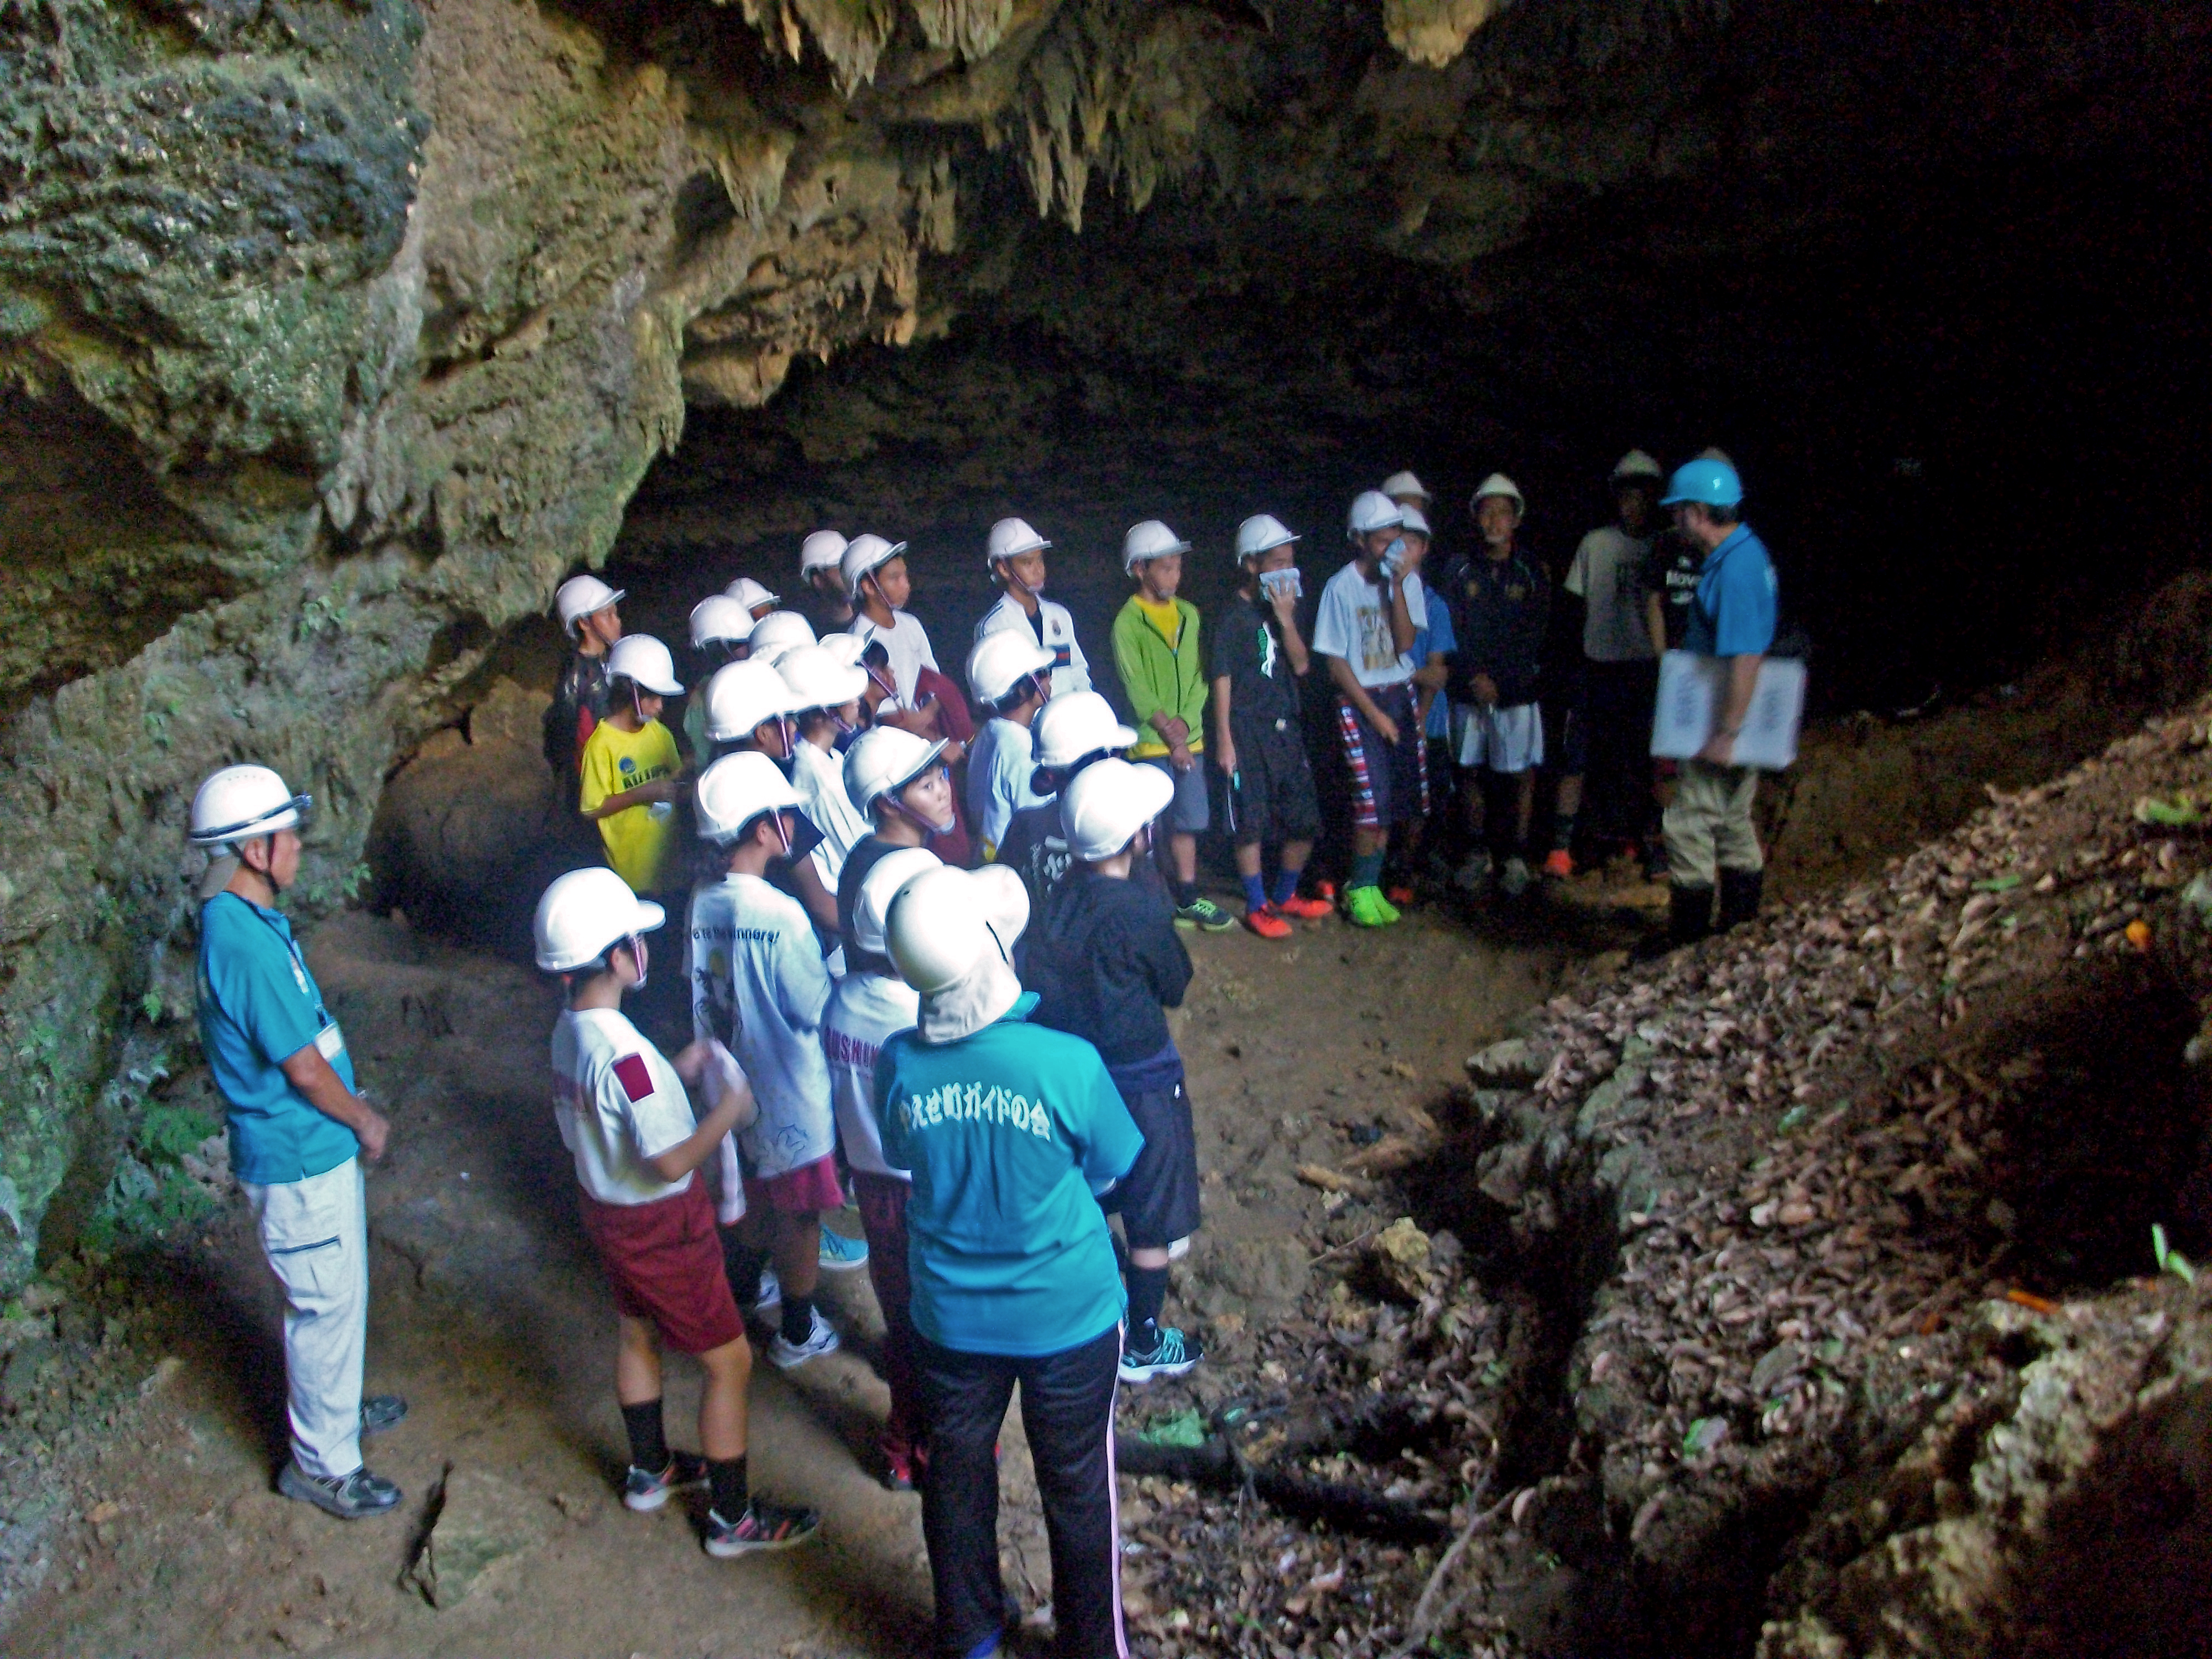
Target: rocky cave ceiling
x=334 y=332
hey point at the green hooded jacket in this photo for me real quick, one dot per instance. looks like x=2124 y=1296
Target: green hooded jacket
x=1159 y=677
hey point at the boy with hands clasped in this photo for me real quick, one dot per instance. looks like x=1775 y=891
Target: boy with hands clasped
x=624 y=1117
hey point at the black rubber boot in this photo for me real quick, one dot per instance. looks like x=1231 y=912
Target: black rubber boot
x=1740 y=895
x=1690 y=914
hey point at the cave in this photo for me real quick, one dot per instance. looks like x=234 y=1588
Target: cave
x=336 y=336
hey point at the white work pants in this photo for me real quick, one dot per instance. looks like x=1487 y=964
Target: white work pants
x=315 y=1234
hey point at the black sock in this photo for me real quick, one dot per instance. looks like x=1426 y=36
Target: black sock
x=648 y=1446
x=726 y=1484
x=1186 y=894
x=797 y=1317
x=1148 y=1294
x=742 y=1263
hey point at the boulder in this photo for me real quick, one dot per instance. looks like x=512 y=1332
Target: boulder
x=481 y=1524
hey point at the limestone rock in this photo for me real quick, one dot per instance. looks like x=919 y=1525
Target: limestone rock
x=1398 y=1257
x=484 y=1524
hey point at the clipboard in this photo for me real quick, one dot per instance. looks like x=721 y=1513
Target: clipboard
x=1690 y=691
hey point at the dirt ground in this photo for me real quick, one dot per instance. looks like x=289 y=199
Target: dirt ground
x=488 y=1314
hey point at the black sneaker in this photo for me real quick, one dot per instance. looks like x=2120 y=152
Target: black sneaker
x=349 y=1497
x=1206 y=914
x=646 y=1490
x=1162 y=1351
x=763 y=1526
x=380 y=1412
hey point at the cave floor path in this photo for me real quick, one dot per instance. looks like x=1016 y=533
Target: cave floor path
x=489 y=1313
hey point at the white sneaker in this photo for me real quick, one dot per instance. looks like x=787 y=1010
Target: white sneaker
x=787 y=1356
x=771 y=1292
x=1515 y=882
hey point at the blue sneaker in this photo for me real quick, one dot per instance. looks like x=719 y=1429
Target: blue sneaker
x=841 y=1252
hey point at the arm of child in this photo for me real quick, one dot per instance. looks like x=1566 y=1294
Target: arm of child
x=802 y=978
x=1294 y=643
x=1348 y=687
x=1224 y=746
x=814 y=893
x=733 y=1110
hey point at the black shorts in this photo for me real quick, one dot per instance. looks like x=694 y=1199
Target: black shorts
x=1272 y=797
x=1157 y=1199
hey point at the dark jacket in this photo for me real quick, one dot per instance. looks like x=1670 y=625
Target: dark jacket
x=580 y=703
x=1105 y=961
x=1500 y=609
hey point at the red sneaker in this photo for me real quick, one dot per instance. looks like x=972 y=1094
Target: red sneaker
x=1302 y=908
x=1326 y=891
x=1399 y=896
x=1266 y=924
x=1560 y=863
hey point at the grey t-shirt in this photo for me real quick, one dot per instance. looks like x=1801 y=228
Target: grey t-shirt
x=1609 y=577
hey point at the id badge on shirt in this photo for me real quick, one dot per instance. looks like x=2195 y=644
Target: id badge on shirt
x=329 y=1042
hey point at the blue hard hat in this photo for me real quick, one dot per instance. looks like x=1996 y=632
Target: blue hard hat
x=1711 y=483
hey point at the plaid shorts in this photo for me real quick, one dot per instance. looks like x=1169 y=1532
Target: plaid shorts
x=1389 y=781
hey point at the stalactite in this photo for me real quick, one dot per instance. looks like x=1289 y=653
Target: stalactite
x=972 y=27
x=1434 y=32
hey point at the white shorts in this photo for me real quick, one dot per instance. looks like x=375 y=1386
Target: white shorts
x=1502 y=739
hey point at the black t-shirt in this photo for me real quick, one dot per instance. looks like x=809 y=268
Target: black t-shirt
x=1105 y=960
x=1244 y=646
x=1033 y=849
x=581 y=688
x=1671 y=572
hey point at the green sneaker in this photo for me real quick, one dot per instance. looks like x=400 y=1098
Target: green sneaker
x=1368 y=908
x=1205 y=914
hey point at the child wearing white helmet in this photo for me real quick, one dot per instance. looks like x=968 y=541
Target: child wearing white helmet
x=1434 y=642
x=627 y=1122
x=870 y=1003
x=828 y=693
x=591 y=618
x=1014 y=555
x=1068 y=734
x=1364 y=628
x=632 y=771
x=1162 y=660
x=1008 y=673
x=760 y=986
x=1106 y=964
x=750 y=710
x=300 y=1132
x=753 y=595
x=1258 y=659
x=876 y=577
x=821 y=559
x=902 y=786
x=721 y=634
x=1009 y=1130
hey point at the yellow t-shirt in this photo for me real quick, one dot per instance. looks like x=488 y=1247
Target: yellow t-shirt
x=640 y=840
x=1166 y=620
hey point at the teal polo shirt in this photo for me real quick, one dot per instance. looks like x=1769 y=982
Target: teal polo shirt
x=259 y=1007
x=1009 y=1131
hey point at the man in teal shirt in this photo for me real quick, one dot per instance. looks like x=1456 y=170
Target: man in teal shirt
x=1010 y=1131
x=298 y=1132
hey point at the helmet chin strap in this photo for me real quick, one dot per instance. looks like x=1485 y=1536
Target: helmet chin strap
x=639 y=957
x=899 y=806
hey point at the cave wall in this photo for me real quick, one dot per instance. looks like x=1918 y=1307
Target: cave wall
x=334 y=332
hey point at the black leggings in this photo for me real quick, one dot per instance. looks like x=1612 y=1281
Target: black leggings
x=1067 y=1412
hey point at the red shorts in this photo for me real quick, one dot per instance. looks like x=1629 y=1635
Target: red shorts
x=806 y=1190
x=664 y=1261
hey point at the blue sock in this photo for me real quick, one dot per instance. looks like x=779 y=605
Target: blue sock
x=1367 y=871
x=1286 y=885
x=1255 y=893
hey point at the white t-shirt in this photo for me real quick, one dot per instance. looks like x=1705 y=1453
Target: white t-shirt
x=1054 y=628
x=998 y=768
x=864 y=1010
x=907 y=644
x=618 y=1103
x=1608 y=576
x=1354 y=624
x=818 y=775
x=758 y=982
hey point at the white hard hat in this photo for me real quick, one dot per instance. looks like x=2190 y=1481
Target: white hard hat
x=820 y=551
x=720 y=618
x=749 y=593
x=1107 y=802
x=1260 y=533
x=1372 y=510
x=884 y=760
x=817 y=679
x=1150 y=540
x=741 y=696
x=644 y=659
x=781 y=631
x=1416 y=521
x=940 y=925
x=846 y=648
x=736 y=789
x=1498 y=485
x=882 y=883
x=864 y=554
x=586 y=913
x=1404 y=484
x=241 y=803
x=583 y=596
x=1637 y=464
x=1001 y=660
x=1075 y=724
x=1010 y=538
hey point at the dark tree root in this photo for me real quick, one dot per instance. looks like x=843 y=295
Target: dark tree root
x=1217 y=1464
